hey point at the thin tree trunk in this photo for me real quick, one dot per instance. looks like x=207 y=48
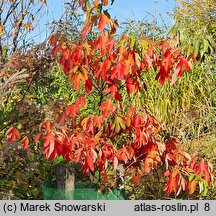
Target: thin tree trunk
x=65 y=179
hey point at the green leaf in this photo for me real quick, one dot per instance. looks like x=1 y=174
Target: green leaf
x=191 y=177
x=132 y=41
x=205 y=45
x=196 y=48
x=190 y=50
x=118 y=124
x=205 y=187
x=181 y=36
x=197 y=177
x=211 y=41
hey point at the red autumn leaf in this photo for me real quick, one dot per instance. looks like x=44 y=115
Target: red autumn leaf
x=113 y=92
x=66 y=53
x=172 y=185
x=122 y=154
x=76 y=56
x=132 y=111
x=103 y=69
x=88 y=85
x=107 y=107
x=98 y=121
x=132 y=85
x=101 y=43
x=162 y=75
x=66 y=65
x=37 y=137
x=49 y=144
x=72 y=110
x=141 y=139
x=13 y=134
x=86 y=29
x=203 y=170
x=171 y=144
x=118 y=71
x=102 y=21
x=78 y=154
x=90 y=163
x=25 y=142
x=105 y=2
x=136 y=121
x=179 y=69
x=183 y=65
x=110 y=45
x=81 y=101
x=53 y=39
x=90 y=129
x=167 y=62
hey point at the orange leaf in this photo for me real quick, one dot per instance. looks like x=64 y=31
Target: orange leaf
x=102 y=21
x=84 y=123
x=25 y=142
x=107 y=107
x=96 y=2
x=98 y=121
x=47 y=125
x=148 y=164
x=76 y=79
x=192 y=186
x=37 y=137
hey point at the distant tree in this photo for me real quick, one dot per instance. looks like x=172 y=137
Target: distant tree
x=17 y=19
x=195 y=27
